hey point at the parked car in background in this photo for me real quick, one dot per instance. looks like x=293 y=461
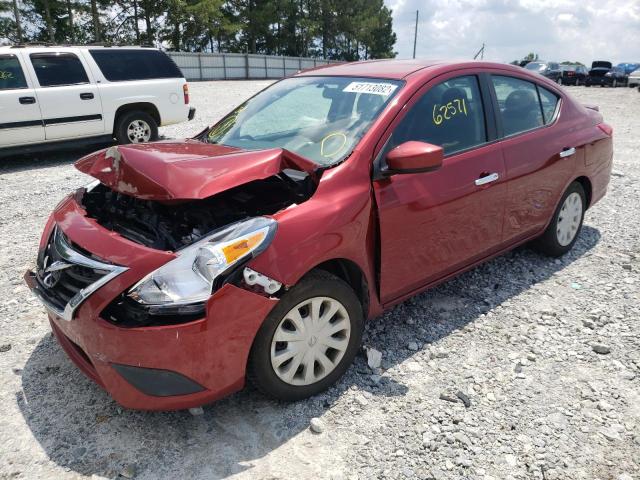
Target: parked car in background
x=573 y=74
x=629 y=67
x=634 y=78
x=598 y=74
x=551 y=70
x=258 y=249
x=618 y=76
x=57 y=94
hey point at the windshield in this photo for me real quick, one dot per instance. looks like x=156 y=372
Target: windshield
x=535 y=66
x=320 y=118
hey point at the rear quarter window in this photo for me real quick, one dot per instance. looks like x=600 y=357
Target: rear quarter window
x=125 y=65
x=549 y=101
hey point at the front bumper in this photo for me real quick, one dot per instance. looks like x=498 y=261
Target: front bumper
x=153 y=368
x=599 y=81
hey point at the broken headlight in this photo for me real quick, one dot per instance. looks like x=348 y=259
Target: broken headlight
x=189 y=278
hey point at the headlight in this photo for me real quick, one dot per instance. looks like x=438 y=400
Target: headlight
x=189 y=278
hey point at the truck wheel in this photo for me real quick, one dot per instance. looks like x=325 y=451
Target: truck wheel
x=136 y=127
x=614 y=84
x=563 y=230
x=308 y=340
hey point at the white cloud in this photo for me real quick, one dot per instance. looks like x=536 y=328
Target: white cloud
x=582 y=30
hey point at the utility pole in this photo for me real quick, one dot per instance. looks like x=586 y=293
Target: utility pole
x=16 y=12
x=415 y=35
x=480 y=53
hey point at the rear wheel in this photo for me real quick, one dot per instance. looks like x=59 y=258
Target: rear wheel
x=136 y=127
x=309 y=339
x=563 y=230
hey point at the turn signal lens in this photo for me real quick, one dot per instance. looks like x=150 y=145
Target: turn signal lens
x=240 y=248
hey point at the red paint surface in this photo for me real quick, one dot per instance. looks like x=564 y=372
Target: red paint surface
x=405 y=232
x=184 y=170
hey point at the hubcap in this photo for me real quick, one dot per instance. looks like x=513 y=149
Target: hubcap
x=569 y=219
x=139 y=131
x=310 y=341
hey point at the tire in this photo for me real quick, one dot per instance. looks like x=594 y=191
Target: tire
x=559 y=80
x=614 y=84
x=145 y=128
x=263 y=370
x=553 y=242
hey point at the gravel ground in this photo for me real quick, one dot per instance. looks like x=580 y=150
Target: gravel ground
x=524 y=368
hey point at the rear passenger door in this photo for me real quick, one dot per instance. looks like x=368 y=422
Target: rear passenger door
x=20 y=119
x=538 y=162
x=69 y=100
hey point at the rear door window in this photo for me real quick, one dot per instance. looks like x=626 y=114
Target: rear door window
x=11 y=74
x=119 y=65
x=520 y=108
x=449 y=115
x=58 y=69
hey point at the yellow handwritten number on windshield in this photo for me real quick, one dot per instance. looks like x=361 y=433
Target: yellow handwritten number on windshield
x=449 y=110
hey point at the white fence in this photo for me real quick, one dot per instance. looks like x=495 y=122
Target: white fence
x=236 y=66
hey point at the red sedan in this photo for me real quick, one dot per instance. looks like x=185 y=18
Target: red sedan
x=259 y=248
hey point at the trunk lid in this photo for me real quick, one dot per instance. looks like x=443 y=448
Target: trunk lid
x=185 y=169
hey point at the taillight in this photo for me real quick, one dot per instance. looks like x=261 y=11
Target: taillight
x=185 y=91
x=606 y=128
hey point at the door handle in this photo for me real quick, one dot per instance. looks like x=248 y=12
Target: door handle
x=492 y=177
x=86 y=96
x=567 y=152
x=27 y=100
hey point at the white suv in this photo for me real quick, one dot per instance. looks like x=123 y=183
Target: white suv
x=54 y=94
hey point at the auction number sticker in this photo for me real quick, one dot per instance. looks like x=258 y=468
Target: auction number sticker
x=384 y=89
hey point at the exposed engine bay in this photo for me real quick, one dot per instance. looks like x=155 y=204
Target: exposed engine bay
x=171 y=225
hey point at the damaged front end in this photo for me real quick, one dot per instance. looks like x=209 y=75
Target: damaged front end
x=212 y=237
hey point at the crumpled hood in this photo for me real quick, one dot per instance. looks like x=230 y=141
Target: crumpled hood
x=185 y=169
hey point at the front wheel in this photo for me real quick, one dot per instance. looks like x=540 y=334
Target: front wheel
x=563 y=230
x=614 y=84
x=308 y=340
x=136 y=127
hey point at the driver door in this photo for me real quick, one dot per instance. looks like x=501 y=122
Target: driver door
x=436 y=223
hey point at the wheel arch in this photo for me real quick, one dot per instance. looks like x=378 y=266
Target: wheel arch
x=147 y=107
x=588 y=188
x=352 y=274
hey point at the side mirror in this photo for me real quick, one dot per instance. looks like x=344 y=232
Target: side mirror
x=415 y=157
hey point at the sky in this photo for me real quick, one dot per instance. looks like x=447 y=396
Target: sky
x=560 y=30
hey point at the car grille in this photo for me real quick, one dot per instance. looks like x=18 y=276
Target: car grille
x=66 y=275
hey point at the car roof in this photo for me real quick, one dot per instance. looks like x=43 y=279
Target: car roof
x=10 y=48
x=394 y=69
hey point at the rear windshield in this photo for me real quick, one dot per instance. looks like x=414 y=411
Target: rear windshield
x=535 y=66
x=121 y=65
